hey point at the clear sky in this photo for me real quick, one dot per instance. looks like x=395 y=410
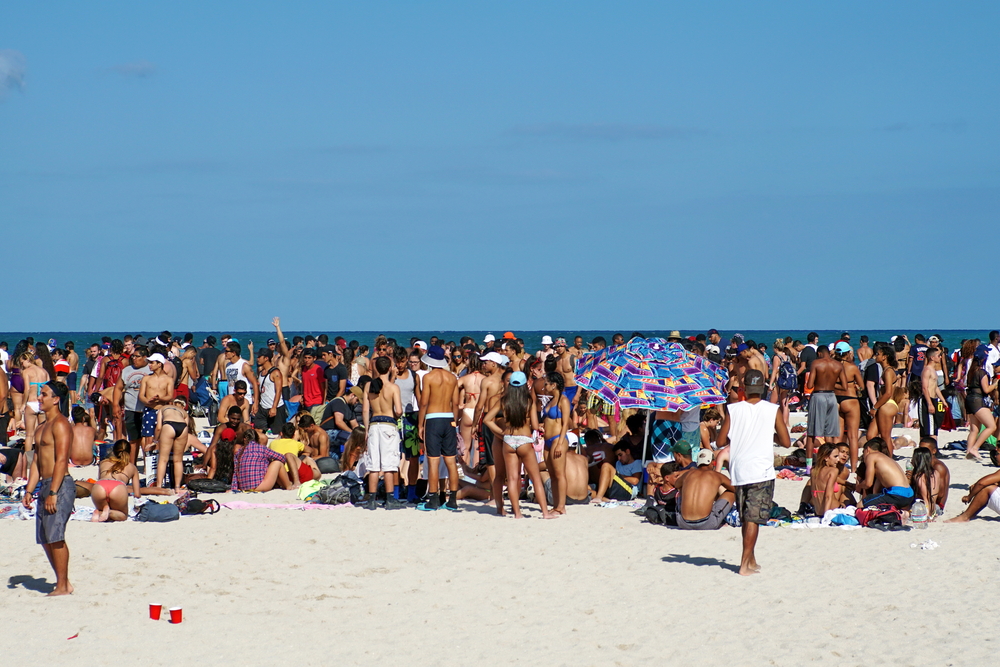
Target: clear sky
x=488 y=165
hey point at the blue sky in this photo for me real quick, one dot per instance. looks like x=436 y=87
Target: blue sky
x=415 y=166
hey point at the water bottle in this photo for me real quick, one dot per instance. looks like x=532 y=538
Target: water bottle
x=918 y=514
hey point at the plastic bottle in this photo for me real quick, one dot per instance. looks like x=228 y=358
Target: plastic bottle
x=918 y=514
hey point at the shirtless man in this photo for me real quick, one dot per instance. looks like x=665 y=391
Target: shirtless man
x=58 y=492
x=566 y=364
x=74 y=370
x=319 y=441
x=283 y=358
x=381 y=408
x=863 y=353
x=438 y=417
x=739 y=366
x=155 y=391
x=755 y=358
x=932 y=396
x=577 y=483
x=985 y=492
x=824 y=416
x=239 y=399
x=489 y=392
x=82 y=450
x=883 y=478
x=704 y=499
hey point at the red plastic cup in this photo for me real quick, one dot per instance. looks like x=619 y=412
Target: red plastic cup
x=154 y=611
x=176 y=615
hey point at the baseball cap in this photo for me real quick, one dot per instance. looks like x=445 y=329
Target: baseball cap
x=518 y=379
x=489 y=338
x=682 y=447
x=421 y=344
x=934 y=339
x=753 y=382
x=271 y=341
x=495 y=357
x=264 y=352
x=158 y=357
x=713 y=332
x=52 y=344
x=742 y=347
x=509 y=335
x=546 y=340
x=704 y=457
x=842 y=348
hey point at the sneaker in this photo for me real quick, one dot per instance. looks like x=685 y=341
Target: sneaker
x=371 y=503
x=392 y=504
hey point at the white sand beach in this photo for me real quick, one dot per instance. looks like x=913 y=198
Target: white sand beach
x=596 y=587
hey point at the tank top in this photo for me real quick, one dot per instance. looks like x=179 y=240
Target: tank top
x=237 y=371
x=267 y=390
x=751 y=440
x=406 y=391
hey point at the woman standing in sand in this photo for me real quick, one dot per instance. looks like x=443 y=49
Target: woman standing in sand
x=556 y=418
x=34 y=377
x=847 y=398
x=468 y=395
x=884 y=411
x=110 y=493
x=779 y=394
x=172 y=431
x=517 y=446
x=979 y=405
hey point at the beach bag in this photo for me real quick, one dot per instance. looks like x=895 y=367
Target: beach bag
x=158 y=513
x=206 y=485
x=201 y=395
x=328 y=464
x=883 y=516
x=787 y=379
x=189 y=506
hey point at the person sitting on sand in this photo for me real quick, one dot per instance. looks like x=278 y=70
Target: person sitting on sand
x=825 y=491
x=682 y=454
x=984 y=493
x=12 y=463
x=577 y=489
x=619 y=481
x=304 y=468
x=230 y=430
x=704 y=498
x=258 y=468
x=317 y=440
x=930 y=442
x=82 y=451
x=598 y=451
x=883 y=478
x=925 y=480
x=110 y=493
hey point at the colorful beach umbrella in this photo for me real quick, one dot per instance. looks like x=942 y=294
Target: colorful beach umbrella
x=652 y=374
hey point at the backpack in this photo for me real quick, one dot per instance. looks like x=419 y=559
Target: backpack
x=345 y=488
x=206 y=485
x=179 y=365
x=787 y=379
x=112 y=371
x=882 y=516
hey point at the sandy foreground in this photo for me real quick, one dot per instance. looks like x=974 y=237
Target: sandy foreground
x=596 y=587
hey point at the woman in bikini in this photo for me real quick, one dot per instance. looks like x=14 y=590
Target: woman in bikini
x=827 y=492
x=555 y=422
x=979 y=405
x=468 y=395
x=925 y=481
x=884 y=411
x=847 y=398
x=171 y=433
x=34 y=377
x=517 y=445
x=779 y=395
x=17 y=386
x=110 y=492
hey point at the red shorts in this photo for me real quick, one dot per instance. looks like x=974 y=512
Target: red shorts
x=305 y=473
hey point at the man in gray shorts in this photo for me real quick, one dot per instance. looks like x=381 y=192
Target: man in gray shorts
x=700 y=506
x=824 y=417
x=57 y=492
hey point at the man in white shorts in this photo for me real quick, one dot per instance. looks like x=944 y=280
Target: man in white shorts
x=984 y=493
x=381 y=408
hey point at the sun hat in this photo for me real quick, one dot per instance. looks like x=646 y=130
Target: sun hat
x=357 y=392
x=674 y=334
x=546 y=340
x=518 y=379
x=495 y=357
x=435 y=357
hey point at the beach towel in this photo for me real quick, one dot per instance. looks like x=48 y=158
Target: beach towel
x=240 y=505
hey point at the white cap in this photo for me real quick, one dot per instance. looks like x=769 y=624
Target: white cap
x=157 y=357
x=496 y=357
x=704 y=457
x=546 y=340
x=489 y=338
x=421 y=344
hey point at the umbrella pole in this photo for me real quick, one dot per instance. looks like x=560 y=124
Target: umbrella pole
x=645 y=439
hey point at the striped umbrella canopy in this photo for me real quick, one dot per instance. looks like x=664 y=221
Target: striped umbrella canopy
x=652 y=374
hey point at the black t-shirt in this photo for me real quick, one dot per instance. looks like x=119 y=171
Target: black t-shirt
x=334 y=374
x=808 y=355
x=336 y=405
x=872 y=373
x=88 y=368
x=207 y=358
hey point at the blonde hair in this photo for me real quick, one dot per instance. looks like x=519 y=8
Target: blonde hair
x=779 y=344
x=120 y=456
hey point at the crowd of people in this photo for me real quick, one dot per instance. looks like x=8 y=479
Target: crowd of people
x=429 y=423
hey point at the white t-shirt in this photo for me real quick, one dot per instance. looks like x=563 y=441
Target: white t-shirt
x=751 y=442
x=992 y=357
x=4 y=356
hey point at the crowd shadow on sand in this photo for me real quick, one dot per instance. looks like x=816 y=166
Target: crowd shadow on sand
x=30 y=583
x=700 y=561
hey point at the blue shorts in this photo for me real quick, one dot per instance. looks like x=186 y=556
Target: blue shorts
x=897 y=496
x=570 y=392
x=148 y=428
x=71 y=381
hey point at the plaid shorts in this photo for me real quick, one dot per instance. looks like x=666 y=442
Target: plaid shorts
x=754 y=501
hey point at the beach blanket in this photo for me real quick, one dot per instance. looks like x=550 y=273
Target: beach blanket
x=240 y=505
